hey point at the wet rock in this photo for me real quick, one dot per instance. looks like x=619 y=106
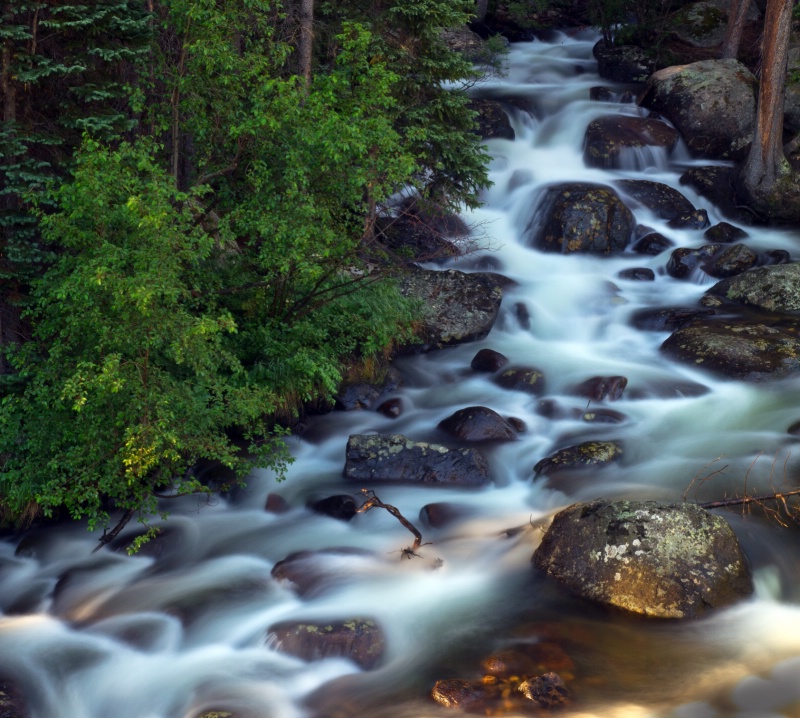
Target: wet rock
x=724 y=233
x=359 y=639
x=363 y=395
x=717 y=184
x=602 y=387
x=697 y=219
x=443 y=513
x=310 y=573
x=652 y=244
x=638 y=274
x=774 y=256
x=662 y=200
x=583 y=218
x=488 y=360
x=712 y=104
x=608 y=138
x=391 y=408
x=588 y=455
x=701 y=24
x=526 y=379
x=741 y=350
x=276 y=504
x=600 y=93
x=492 y=119
x=669 y=319
x=341 y=507
x=478 y=423
x=730 y=261
x=527 y=659
x=794 y=429
x=775 y=288
x=393 y=457
x=467 y=695
x=603 y=416
x=546 y=691
x=523 y=315
x=12 y=701
x=622 y=63
x=660 y=560
x=684 y=260
x=205 y=714
x=459 y=307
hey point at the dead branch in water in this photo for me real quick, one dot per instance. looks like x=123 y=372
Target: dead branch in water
x=373 y=501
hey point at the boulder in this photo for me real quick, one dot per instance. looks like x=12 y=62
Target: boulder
x=660 y=560
x=637 y=274
x=775 y=288
x=546 y=691
x=622 y=63
x=459 y=307
x=478 y=423
x=610 y=138
x=341 y=507
x=443 y=513
x=12 y=702
x=393 y=457
x=583 y=218
x=353 y=395
x=697 y=219
x=488 y=360
x=730 y=261
x=526 y=379
x=717 y=184
x=311 y=573
x=712 y=103
x=598 y=388
x=701 y=24
x=652 y=244
x=746 y=350
x=666 y=319
x=725 y=233
x=588 y=455
x=492 y=119
x=359 y=639
x=662 y=200
x=684 y=260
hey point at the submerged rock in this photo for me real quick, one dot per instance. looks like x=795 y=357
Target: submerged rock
x=492 y=119
x=588 y=455
x=608 y=137
x=359 y=639
x=526 y=379
x=393 y=457
x=661 y=199
x=660 y=560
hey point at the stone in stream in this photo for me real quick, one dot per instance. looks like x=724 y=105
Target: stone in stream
x=622 y=63
x=12 y=703
x=638 y=274
x=598 y=388
x=578 y=217
x=659 y=560
x=492 y=119
x=478 y=423
x=661 y=199
x=608 y=138
x=725 y=233
x=393 y=457
x=730 y=261
x=360 y=640
x=588 y=455
x=341 y=507
x=310 y=573
x=775 y=288
x=488 y=360
x=526 y=379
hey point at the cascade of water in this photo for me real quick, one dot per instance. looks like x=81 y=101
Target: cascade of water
x=184 y=630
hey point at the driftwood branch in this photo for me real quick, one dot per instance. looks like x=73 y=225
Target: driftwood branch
x=744 y=500
x=109 y=536
x=373 y=501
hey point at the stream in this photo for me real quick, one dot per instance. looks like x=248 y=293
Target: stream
x=182 y=628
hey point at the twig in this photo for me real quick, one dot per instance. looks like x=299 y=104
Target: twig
x=705 y=478
x=373 y=501
x=111 y=535
x=742 y=500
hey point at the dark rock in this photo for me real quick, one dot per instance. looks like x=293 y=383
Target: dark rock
x=684 y=260
x=717 y=184
x=362 y=395
x=600 y=93
x=698 y=219
x=478 y=423
x=588 y=455
x=730 y=261
x=522 y=315
x=712 y=103
x=360 y=640
x=526 y=379
x=652 y=244
x=411 y=235
x=622 y=63
x=662 y=200
x=517 y=424
x=12 y=701
x=660 y=320
x=741 y=350
x=442 y=513
x=660 y=560
x=775 y=288
x=459 y=307
x=601 y=387
x=276 y=504
x=492 y=119
x=701 y=24
x=393 y=457
x=488 y=360
x=527 y=659
x=794 y=429
x=603 y=416
x=608 y=139
x=775 y=256
x=469 y=696
x=310 y=573
x=340 y=506
x=581 y=217
x=546 y=691
x=391 y=408
x=638 y=274
x=724 y=233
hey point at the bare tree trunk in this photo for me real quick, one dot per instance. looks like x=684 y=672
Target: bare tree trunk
x=481 y=6
x=733 y=33
x=306 y=44
x=766 y=162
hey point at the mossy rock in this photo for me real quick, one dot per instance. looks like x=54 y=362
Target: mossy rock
x=588 y=455
x=775 y=288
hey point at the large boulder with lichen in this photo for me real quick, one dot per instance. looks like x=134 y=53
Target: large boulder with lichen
x=456 y=307
x=393 y=457
x=659 y=560
x=579 y=217
x=616 y=141
x=622 y=63
x=740 y=349
x=775 y=289
x=712 y=103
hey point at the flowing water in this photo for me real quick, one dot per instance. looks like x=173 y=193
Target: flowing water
x=182 y=628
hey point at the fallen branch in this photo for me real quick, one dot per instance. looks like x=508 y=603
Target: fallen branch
x=373 y=501
x=743 y=500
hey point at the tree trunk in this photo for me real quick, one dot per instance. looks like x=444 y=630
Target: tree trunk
x=481 y=6
x=306 y=44
x=766 y=163
x=6 y=81
x=733 y=33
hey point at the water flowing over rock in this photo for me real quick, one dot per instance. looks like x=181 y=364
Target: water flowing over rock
x=588 y=455
x=712 y=104
x=775 y=288
x=610 y=138
x=662 y=200
x=359 y=639
x=459 y=307
x=492 y=119
x=583 y=218
x=393 y=457
x=660 y=560
x=478 y=423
